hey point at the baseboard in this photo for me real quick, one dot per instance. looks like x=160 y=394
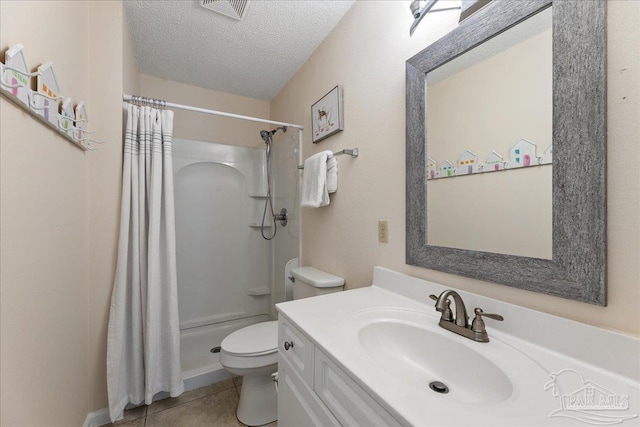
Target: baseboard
x=97 y=418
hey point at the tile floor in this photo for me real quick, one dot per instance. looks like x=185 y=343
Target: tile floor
x=212 y=406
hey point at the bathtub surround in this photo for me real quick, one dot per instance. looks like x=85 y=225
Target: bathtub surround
x=222 y=287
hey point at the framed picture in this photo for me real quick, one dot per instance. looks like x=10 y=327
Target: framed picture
x=327 y=115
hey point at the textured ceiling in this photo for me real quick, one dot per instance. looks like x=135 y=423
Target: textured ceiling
x=180 y=40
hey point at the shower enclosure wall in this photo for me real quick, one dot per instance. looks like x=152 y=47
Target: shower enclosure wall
x=228 y=275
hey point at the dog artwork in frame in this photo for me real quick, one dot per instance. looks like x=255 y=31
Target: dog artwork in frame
x=327 y=115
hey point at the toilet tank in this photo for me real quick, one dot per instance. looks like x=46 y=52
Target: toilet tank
x=311 y=282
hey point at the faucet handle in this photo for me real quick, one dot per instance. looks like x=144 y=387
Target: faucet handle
x=447 y=315
x=478 y=311
x=478 y=323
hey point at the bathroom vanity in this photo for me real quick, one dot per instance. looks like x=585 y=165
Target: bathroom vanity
x=376 y=356
x=312 y=388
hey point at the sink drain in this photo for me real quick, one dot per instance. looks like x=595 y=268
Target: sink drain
x=215 y=349
x=439 y=387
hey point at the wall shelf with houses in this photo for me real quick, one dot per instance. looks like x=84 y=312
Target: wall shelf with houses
x=523 y=154
x=43 y=102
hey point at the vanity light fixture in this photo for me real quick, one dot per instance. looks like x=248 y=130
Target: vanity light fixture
x=418 y=10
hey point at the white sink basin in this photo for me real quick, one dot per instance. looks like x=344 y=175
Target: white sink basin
x=413 y=351
x=418 y=354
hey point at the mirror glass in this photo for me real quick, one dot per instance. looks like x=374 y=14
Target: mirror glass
x=513 y=222
x=489 y=144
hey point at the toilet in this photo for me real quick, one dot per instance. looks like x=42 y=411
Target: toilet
x=252 y=352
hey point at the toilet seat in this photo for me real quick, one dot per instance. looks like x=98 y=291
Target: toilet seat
x=255 y=340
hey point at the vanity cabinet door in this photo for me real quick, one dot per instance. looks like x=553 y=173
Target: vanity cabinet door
x=298 y=406
x=297 y=349
x=349 y=403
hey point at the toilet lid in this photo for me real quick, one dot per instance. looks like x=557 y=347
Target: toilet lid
x=255 y=339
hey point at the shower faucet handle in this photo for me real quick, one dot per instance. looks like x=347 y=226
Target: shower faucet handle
x=282 y=217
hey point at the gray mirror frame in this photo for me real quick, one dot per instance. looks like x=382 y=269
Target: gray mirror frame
x=577 y=270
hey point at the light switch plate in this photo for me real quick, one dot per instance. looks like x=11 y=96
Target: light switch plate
x=383 y=231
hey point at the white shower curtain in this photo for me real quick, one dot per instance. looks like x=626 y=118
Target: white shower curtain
x=143 y=343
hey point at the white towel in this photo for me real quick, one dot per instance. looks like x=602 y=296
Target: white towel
x=315 y=179
x=332 y=174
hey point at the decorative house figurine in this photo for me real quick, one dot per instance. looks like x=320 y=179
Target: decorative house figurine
x=494 y=162
x=547 y=156
x=522 y=153
x=42 y=100
x=467 y=163
x=446 y=169
x=18 y=82
x=67 y=118
x=432 y=168
x=81 y=121
x=47 y=85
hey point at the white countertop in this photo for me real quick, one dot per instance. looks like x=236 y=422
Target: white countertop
x=323 y=319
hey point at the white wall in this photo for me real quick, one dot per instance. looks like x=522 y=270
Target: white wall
x=55 y=256
x=204 y=127
x=366 y=53
x=112 y=69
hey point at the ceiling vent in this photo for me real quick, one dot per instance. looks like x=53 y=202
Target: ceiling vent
x=235 y=9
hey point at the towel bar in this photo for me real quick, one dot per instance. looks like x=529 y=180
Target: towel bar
x=353 y=152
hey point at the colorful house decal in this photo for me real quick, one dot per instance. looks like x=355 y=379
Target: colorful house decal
x=446 y=169
x=14 y=58
x=432 y=168
x=47 y=85
x=522 y=154
x=67 y=117
x=82 y=120
x=494 y=162
x=467 y=163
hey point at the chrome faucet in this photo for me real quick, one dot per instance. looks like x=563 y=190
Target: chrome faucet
x=460 y=324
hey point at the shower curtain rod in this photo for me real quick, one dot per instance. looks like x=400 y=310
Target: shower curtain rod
x=149 y=101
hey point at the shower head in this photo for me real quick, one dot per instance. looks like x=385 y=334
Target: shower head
x=267 y=134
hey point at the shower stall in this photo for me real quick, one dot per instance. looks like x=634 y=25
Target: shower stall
x=229 y=276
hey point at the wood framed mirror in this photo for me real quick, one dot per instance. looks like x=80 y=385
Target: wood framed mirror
x=576 y=265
